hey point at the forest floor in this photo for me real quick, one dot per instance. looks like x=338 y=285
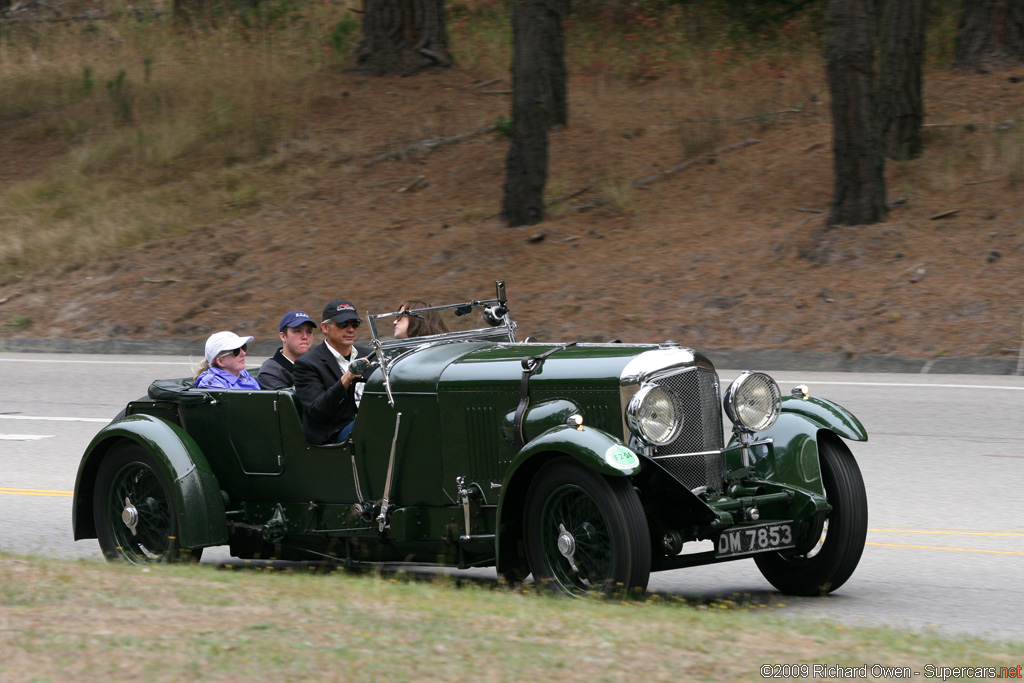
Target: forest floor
x=728 y=252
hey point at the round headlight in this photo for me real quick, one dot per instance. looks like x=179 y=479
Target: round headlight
x=753 y=401
x=654 y=416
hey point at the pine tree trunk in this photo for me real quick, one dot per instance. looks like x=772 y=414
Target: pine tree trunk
x=991 y=31
x=402 y=37
x=538 y=103
x=859 y=195
x=900 y=100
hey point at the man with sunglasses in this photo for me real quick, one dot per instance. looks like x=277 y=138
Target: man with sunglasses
x=324 y=385
x=225 y=358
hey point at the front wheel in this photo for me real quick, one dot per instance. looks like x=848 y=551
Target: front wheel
x=827 y=565
x=136 y=518
x=586 y=534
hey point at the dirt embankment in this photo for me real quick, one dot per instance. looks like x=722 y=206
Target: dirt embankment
x=727 y=253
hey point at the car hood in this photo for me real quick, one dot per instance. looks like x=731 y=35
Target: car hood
x=486 y=366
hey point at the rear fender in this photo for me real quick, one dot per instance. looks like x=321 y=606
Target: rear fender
x=194 y=487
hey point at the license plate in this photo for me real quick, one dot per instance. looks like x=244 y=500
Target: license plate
x=755 y=539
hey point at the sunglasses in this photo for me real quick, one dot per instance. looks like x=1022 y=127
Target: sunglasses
x=234 y=352
x=354 y=323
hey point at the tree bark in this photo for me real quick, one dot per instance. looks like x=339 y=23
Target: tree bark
x=900 y=100
x=402 y=37
x=859 y=194
x=538 y=103
x=991 y=32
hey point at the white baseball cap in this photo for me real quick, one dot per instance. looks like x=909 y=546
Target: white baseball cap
x=220 y=342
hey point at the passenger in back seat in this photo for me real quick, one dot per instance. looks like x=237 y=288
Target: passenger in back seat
x=224 y=367
x=296 y=332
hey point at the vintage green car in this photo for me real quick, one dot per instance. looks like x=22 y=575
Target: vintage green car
x=587 y=465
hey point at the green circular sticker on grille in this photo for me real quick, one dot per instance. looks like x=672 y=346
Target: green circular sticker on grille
x=621 y=458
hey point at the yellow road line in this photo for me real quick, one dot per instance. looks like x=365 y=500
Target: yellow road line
x=939 y=547
x=944 y=533
x=36 y=492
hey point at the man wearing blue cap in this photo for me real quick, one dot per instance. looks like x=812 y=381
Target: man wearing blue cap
x=296 y=332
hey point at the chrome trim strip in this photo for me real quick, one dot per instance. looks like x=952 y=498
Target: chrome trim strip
x=686 y=455
x=763 y=442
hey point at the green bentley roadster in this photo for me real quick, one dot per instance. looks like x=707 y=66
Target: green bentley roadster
x=585 y=465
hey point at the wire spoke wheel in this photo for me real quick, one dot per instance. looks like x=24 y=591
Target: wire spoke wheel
x=585 y=533
x=575 y=540
x=135 y=515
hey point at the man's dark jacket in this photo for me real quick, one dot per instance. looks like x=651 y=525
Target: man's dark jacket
x=276 y=372
x=326 y=405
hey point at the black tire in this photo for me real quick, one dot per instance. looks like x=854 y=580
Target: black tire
x=135 y=515
x=601 y=524
x=832 y=560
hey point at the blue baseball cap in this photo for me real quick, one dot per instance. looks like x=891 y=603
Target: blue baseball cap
x=294 y=319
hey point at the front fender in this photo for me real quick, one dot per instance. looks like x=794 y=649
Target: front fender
x=792 y=457
x=194 y=487
x=594 y=448
x=826 y=414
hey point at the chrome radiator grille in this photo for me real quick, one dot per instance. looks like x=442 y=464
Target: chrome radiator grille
x=698 y=392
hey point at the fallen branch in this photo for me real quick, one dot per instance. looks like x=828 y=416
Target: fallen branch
x=484 y=84
x=156 y=281
x=793 y=110
x=567 y=197
x=412 y=185
x=945 y=214
x=428 y=145
x=689 y=162
x=806 y=221
x=797 y=208
x=9 y=18
x=971 y=125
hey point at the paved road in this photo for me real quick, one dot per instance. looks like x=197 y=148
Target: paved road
x=943 y=470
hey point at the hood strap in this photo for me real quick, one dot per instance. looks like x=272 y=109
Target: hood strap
x=531 y=366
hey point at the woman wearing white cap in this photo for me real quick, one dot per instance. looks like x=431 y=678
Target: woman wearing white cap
x=224 y=367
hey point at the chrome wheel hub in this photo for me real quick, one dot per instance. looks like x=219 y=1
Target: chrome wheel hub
x=130 y=515
x=567 y=545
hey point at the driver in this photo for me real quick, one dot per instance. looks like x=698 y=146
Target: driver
x=324 y=385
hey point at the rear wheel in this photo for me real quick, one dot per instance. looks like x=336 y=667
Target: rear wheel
x=135 y=515
x=831 y=561
x=586 y=534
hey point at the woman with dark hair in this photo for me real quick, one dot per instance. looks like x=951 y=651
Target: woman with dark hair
x=418 y=324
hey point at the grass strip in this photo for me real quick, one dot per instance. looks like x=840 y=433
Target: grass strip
x=89 y=621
